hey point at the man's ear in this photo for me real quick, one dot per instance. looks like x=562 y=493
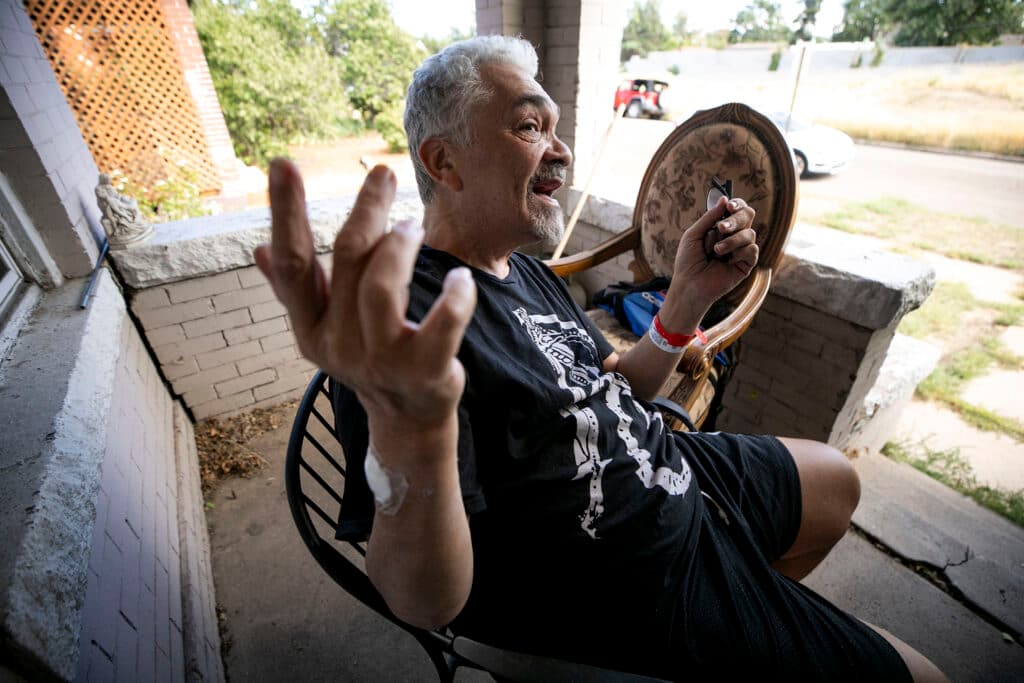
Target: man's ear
x=436 y=156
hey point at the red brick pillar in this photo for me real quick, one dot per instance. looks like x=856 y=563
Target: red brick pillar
x=200 y=85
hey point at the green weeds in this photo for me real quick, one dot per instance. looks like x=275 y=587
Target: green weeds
x=908 y=225
x=950 y=468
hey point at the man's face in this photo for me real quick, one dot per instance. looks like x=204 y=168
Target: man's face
x=515 y=162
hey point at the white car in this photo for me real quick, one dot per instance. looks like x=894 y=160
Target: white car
x=817 y=149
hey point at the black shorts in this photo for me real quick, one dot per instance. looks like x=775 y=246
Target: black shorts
x=734 y=615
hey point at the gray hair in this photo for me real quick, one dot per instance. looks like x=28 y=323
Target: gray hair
x=447 y=87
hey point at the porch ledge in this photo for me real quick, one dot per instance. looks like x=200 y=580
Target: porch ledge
x=57 y=387
x=847 y=276
x=192 y=248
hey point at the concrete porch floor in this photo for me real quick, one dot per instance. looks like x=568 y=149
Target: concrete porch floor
x=283 y=618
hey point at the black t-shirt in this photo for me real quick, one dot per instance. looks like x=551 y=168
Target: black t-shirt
x=590 y=539
x=579 y=502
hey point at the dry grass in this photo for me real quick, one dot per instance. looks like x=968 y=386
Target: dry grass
x=999 y=134
x=1002 y=81
x=223 y=444
x=964 y=107
x=971 y=107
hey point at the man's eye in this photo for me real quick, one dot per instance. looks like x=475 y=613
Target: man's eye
x=530 y=127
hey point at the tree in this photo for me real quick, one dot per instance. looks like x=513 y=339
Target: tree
x=760 y=21
x=862 y=20
x=275 y=82
x=435 y=45
x=644 y=31
x=680 y=35
x=806 y=19
x=977 y=22
x=926 y=22
x=377 y=58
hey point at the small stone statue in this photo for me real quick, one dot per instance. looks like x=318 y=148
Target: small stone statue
x=121 y=218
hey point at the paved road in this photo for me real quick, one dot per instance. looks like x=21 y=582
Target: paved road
x=950 y=183
x=964 y=185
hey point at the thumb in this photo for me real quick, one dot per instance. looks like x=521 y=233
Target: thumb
x=707 y=221
x=446 y=322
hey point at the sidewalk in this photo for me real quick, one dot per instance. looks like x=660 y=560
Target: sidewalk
x=283 y=618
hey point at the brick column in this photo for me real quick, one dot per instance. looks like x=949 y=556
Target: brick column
x=578 y=42
x=200 y=85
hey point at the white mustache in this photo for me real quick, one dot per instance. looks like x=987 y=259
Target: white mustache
x=552 y=173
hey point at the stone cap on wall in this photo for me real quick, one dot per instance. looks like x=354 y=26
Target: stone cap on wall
x=844 y=275
x=851 y=277
x=57 y=387
x=191 y=248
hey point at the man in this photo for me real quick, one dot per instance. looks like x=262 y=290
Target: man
x=524 y=491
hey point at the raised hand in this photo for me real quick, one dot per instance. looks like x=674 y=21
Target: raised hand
x=706 y=279
x=353 y=325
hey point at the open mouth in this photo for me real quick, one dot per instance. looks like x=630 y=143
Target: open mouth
x=547 y=187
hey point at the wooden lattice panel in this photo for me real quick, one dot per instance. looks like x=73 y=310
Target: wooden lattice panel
x=117 y=64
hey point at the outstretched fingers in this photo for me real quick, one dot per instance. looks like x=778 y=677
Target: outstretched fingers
x=440 y=333
x=363 y=228
x=289 y=262
x=384 y=285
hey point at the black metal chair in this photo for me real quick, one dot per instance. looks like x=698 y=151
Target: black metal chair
x=315 y=482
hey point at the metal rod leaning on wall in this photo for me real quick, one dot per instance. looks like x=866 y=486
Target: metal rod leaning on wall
x=586 y=188
x=104 y=248
x=92 y=278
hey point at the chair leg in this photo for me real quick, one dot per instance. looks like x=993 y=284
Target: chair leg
x=442 y=661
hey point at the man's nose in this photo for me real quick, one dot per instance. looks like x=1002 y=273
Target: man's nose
x=558 y=152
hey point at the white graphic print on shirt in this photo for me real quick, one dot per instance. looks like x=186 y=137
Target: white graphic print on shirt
x=556 y=339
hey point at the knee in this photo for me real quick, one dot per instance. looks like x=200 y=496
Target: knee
x=844 y=484
x=850 y=481
x=830 y=487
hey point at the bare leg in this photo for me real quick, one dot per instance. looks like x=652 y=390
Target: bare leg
x=830 y=490
x=921 y=668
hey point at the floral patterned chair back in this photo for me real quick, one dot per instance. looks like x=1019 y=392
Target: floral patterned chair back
x=731 y=142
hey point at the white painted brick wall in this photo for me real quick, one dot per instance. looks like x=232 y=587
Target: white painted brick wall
x=258 y=330
x=42 y=152
x=181 y=352
x=230 y=354
x=133 y=624
x=207 y=378
x=189 y=290
x=216 y=323
x=178 y=313
x=223 y=341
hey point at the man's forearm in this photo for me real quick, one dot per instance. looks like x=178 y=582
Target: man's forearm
x=420 y=556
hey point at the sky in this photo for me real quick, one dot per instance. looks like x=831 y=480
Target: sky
x=437 y=18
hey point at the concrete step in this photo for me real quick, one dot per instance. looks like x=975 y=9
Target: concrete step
x=871 y=585
x=920 y=519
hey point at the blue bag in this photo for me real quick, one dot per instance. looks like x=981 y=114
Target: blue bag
x=634 y=305
x=640 y=309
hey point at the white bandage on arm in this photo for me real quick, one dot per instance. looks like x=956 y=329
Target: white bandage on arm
x=387 y=486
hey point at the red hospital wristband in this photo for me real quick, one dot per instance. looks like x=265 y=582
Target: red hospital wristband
x=678 y=340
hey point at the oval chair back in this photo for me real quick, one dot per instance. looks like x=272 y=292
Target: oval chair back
x=733 y=143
